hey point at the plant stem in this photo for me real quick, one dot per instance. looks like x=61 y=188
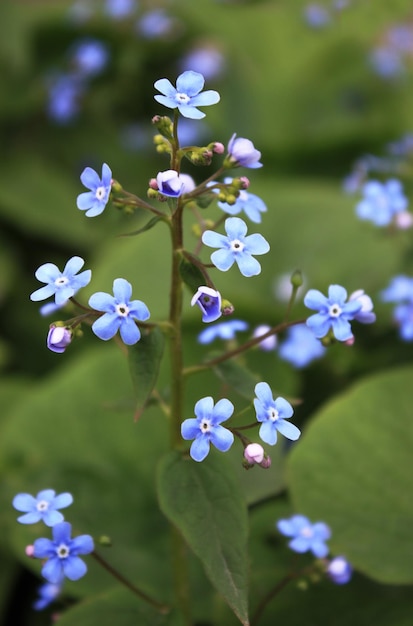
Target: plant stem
x=162 y=608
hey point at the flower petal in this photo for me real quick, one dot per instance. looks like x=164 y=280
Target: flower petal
x=74 y=568
x=235 y=227
x=223 y=259
x=204 y=408
x=190 y=83
x=47 y=273
x=83 y=544
x=90 y=179
x=288 y=430
x=165 y=86
x=52 y=517
x=24 y=502
x=206 y=98
x=248 y=266
x=268 y=433
x=190 y=428
x=122 y=290
x=129 y=331
x=86 y=200
x=102 y=301
x=52 y=570
x=73 y=266
x=222 y=438
x=315 y=300
x=199 y=448
x=222 y=411
x=106 y=326
x=264 y=393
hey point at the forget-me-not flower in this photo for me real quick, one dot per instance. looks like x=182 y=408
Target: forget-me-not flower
x=170 y=184
x=300 y=346
x=119 y=313
x=333 y=312
x=206 y=427
x=251 y=204
x=48 y=592
x=381 y=201
x=270 y=343
x=61 y=285
x=305 y=535
x=119 y=9
x=242 y=153
x=222 y=330
x=236 y=247
x=156 y=24
x=365 y=315
x=89 y=56
x=95 y=200
x=58 y=338
x=62 y=554
x=42 y=507
x=274 y=415
x=209 y=301
x=64 y=94
x=339 y=570
x=187 y=95
x=399 y=289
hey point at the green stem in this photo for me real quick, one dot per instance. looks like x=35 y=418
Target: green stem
x=162 y=608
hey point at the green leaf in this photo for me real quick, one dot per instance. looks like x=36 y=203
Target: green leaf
x=205 y=502
x=191 y=275
x=152 y=222
x=144 y=362
x=352 y=469
x=238 y=377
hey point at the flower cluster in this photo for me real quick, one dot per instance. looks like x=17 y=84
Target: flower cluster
x=60 y=554
x=400 y=291
x=382 y=202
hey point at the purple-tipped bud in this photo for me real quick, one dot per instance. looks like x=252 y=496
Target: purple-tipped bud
x=58 y=338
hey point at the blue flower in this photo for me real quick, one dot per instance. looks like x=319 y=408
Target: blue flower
x=316 y=16
x=403 y=316
x=339 y=570
x=381 y=201
x=58 y=338
x=62 y=285
x=155 y=24
x=64 y=94
x=95 y=200
x=206 y=428
x=387 y=62
x=400 y=289
x=305 y=535
x=223 y=330
x=119 y=9
x=207 y=60
x=90 y=57
x=251 y=204
x=333 y=312
x=236 y=247
x=270 y=343
x=62 y=554
x=301 y=346
x=242 y=153
x=187 y=94
x=209 y=301
x=42 y=507
x=365 y=315
x=120 y=312
x=48 y=592
x=170 y=184
x=273 y=415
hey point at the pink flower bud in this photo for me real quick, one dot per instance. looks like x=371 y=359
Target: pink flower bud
x=153 y=184
x=245 y=182
x=29 y=550
x=254 y=453
x=218 y=148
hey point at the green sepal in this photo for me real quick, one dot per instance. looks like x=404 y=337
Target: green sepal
x=147 y=226
x=144 y=361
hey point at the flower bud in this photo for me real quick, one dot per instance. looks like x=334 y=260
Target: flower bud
x=58 y=338
x=245 y=182
x=227 y=307
x=339 y=570
x=209 y=301
x=218 y=147
x=29 y=550
x=297 y=279
x=254 y=453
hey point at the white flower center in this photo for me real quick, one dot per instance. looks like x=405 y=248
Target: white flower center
x=122 y=310
x=42 y=505
x=273 y=414
x=182 y=98
x=334 y=310
x=306 y=532
x=205 y=425
x=237 y=245
x=62 y=551
x=100 y=193
x=61 y=281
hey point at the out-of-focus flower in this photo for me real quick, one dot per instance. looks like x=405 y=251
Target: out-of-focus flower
x=386 y=62
x=48 y=592
x=268 y=344
x=223 y=330
x=242 y=153
x=381 y=201
x=339 y=570
x=156 y=24
x=300 y=346
x=64 y=95
x=305 y=535
x=119 y=9
x=316 y=16
x=89 y=57
x=207 y=60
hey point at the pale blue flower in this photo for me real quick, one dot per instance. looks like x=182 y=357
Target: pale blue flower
x=58 y=338
x=209 y=301
x=61 y=285
x=399 y=289
x=62 y=554
x=365 y=315
x=274 y=415
x=223 y=330
x=236 y=247
x=170 y=184
x=243 y=153
x=403 y=316
x=208 y=61
x=42 y=507
x=187 y=95
x=119 y=9
x=48 y=592
x=316 y=16
x=333 y=312
x=90 y=57
x=305 y=535
x=95 y=200
x=64 y=92
x=119 y=313
x=339 y=570
x=207 y=429
x=300 y=346
x=381 y=201
x=251 y=204
x=156 y=24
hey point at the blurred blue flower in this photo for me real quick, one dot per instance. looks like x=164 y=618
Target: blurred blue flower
x=209 y=301
x=156 y=24
x=403 y=316
x=48 y=592
x=95 y=200
x=305 y=535
x=316 y=16
x=400 y=289
x=386 y=62
x=208 y=61
x=300 y=346
x=333 y=312
x=119 y=9
x=89 y=57
x=42 y=507
x=270 y=343
x=187 y=96
x=119 y=313
x=242 y=153
x=58 y=338
x=223 y=330
x=236 y=247
x=206 y=428
x=381 y=201
x=62 y=554
x=170 y=184
x=64 y=94
x=251 y=204
x=339 y=570
x=62 y=285
x=274 y=415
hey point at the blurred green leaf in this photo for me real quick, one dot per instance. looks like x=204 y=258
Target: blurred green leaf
x=205 y=503
x=144 y=362
x=237 y=376
x=352 y=469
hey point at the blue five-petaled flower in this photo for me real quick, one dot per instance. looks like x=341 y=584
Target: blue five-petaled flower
x=273 y=415
x=62 y=554
x=62 y=285
x=119 y=313
x=251 y=204
x=42 y=507
x=206 y=427
x=236 y=247
x=333 y=312
x=223 y=330
x=95 y=200
x=187 y=95
x=305 y=535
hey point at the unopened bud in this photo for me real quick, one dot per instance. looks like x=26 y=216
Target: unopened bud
x=350 y=342
x=105 y=541
x=153 y=184
x=254 y=453
x=245 y=182
x=227 y=307
x=297 y=279
x=58 y=337
x=29 y=550
x=218 y=147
